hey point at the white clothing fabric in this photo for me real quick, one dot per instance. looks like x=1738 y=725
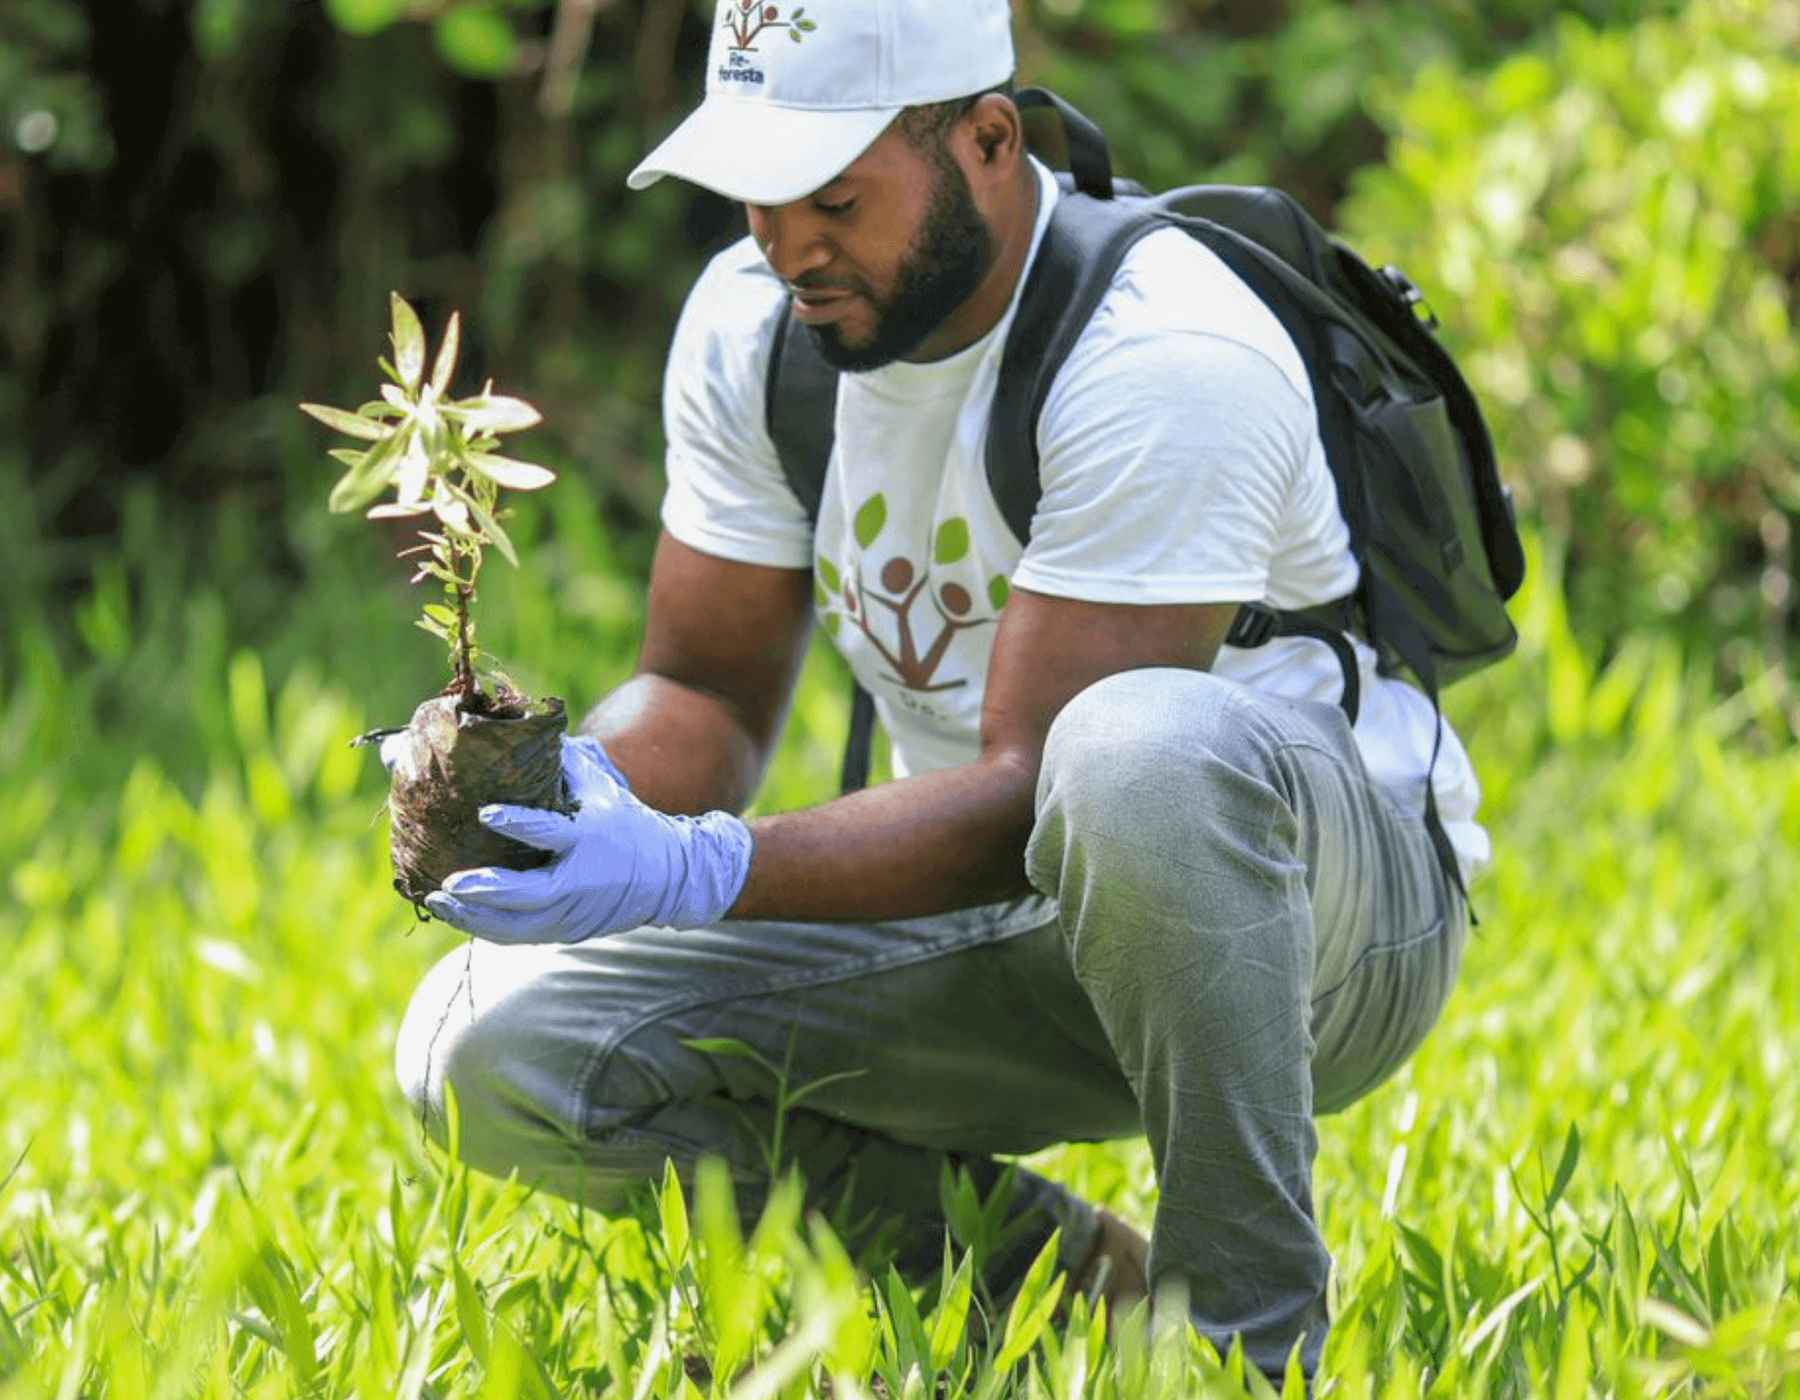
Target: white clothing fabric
x=1180 y=462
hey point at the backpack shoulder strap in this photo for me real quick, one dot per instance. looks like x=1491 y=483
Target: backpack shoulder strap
x=1086 y=241
x=800 y=402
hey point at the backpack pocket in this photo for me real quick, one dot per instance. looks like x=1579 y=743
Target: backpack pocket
x=1424 y=543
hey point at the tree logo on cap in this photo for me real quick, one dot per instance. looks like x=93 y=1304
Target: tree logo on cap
x=746 y=19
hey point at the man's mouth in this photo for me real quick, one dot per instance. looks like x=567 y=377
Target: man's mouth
x=818 y=307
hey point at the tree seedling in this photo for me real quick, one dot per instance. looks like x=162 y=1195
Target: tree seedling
x=467 y=746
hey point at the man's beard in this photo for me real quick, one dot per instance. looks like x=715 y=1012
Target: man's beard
x=952 y=253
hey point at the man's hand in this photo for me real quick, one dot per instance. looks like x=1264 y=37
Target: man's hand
x=618 y=865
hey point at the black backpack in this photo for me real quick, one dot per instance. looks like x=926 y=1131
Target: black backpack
x=1430 y=522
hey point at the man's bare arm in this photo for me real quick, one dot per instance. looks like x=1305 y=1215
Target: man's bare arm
x=693 y=729
x=956 y=838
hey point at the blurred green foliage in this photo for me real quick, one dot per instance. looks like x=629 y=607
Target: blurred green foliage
x=1611 y=226
x=1599 y=197
x=1258 y=93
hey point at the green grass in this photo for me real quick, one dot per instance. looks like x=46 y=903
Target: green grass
x=1585 y=1183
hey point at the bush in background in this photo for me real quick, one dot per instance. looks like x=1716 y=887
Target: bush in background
x=1609 y=225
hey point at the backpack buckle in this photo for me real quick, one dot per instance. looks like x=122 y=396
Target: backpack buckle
x=1253 y=625
x=1410 y=296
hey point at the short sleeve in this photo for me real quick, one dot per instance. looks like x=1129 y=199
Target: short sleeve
x=726 y=493
x=1167 y=458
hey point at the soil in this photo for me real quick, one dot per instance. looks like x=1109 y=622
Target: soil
x=457 y=757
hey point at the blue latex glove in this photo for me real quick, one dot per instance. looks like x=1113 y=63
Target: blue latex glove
x=619 y=865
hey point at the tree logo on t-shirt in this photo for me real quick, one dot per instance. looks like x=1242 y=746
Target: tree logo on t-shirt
x=842 y=594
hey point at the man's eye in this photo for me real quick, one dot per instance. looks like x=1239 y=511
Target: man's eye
x=836 y=211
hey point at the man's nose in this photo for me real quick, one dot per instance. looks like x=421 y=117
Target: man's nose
x=790 y=240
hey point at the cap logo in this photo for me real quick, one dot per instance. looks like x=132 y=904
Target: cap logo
x=748 y=20
x=752 y=17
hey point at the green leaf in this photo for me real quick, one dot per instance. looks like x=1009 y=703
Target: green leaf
x=1678 y=1274
x=440 y=613
x=1571 y=1154
x=829 y=575
x=364 y=482
x=409 y=341
x=852 y=1349
x=807 y=24
x=1031 y=1309
x=493 y=413
x=909 y=1328
x=436 y=630
x=871 y=519
x=352 y=424
x=469 y=1311
x=733 y=1048
x=952 y=1313
x=453 y=515
x=13 y=1170
x=824 y=1081
x=728 y=1288
x=12 y=1345
x=490 y=527
x=952 y=541
x=504 y=471
x=722 y=1045
x=1690 y=1189
x=1293 y=1378
x=673 y=1206
x=299 y=1341
x=257 y=1328
x=999 y=589
x=476 y=40
x=445 y=365
x=794 y=34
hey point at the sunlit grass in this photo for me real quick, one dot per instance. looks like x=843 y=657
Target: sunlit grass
x=1585 y=1183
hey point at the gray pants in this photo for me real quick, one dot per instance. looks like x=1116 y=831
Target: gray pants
x=1238 y=930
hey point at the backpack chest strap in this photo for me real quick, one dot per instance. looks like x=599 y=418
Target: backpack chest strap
x=1330 y=623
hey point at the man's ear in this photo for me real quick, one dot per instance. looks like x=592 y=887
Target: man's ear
x=999 y=133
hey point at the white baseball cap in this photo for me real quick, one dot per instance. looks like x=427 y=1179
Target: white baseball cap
x=797 y=91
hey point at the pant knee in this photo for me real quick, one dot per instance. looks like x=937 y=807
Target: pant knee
x=1160 y=748
x=1163 y=791
x=469 y=1032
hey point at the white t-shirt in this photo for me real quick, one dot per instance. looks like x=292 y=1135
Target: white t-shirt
x=1180 y=462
